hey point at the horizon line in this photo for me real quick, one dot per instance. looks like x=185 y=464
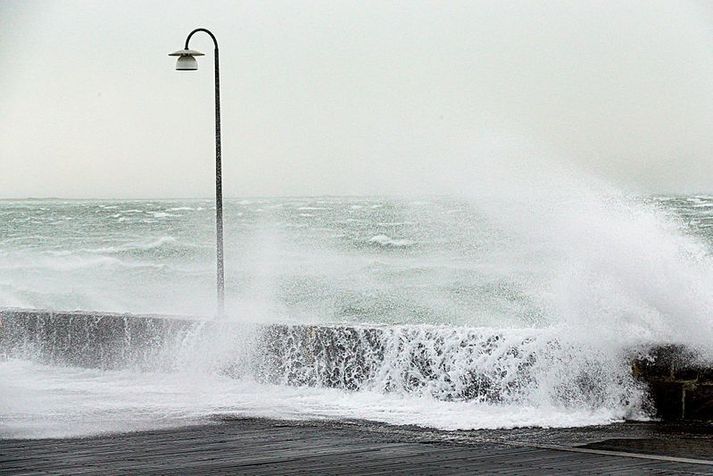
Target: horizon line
x=326 y=195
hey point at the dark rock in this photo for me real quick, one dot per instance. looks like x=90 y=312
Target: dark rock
x=666 y=362
x=668 y=399
x=698 y=402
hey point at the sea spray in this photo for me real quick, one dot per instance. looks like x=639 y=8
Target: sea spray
x=608 y=267
x=534 y=368
x=517 y=306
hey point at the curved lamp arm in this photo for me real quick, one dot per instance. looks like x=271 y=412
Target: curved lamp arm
x=215 y=41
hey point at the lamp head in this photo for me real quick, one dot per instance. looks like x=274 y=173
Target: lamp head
x=186 y=59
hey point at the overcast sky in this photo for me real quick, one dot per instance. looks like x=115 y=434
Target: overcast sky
x=339 y=97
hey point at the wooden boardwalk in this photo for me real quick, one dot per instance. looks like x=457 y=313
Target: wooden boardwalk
x=257 y=446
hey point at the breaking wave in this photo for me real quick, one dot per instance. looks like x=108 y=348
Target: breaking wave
x=524 y=300
x=387 y=241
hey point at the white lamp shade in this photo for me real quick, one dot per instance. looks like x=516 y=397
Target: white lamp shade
x=186 y=63
x=186 y=59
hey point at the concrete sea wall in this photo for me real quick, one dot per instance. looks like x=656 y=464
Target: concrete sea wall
x=681 y=387
x=445 y=363
x=295 y=355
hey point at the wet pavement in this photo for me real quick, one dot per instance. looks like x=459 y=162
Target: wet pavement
x=259 y=446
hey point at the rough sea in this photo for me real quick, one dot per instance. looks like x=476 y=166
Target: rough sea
x=598 y=274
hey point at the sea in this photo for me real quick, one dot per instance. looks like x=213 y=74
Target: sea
x=572 y=281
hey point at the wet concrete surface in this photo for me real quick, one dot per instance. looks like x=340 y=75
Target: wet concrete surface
x=259 y=446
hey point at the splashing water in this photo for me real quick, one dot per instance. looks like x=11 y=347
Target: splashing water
x=515 y=306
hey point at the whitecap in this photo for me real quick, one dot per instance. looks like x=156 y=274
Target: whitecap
x=163 y=215
x=385 y=240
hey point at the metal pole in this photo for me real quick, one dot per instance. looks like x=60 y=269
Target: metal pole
x=219 y=195
x=220 y=278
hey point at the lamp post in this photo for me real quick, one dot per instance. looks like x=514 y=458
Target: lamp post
x=187 y=62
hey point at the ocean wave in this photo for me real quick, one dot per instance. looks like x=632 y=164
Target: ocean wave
x=387 y=241
x=149 y=245
x=163 y=214
x=74 y=263
x=395 y=223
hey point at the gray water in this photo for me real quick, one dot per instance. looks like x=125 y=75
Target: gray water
x=308 y=259
x=596 y=273
x=323 y=259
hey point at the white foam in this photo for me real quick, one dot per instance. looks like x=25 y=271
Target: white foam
x=39 y=401
x=385 y=240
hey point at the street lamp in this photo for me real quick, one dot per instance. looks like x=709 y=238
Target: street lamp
x=187 y=62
